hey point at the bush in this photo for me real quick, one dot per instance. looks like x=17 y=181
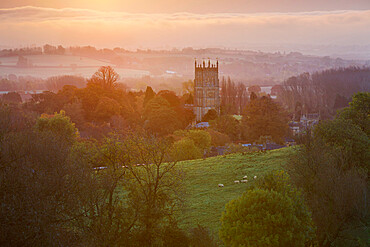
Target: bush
x=271 y=214
x=353 y=144
x=185 y=149
x=201 y=237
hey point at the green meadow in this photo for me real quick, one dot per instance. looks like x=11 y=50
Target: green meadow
x=205 y=201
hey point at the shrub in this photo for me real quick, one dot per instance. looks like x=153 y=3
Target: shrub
x=271 y=214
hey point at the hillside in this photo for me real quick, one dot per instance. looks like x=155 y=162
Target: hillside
x=205 y=201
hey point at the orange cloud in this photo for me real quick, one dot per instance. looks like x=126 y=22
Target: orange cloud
x=25 y=25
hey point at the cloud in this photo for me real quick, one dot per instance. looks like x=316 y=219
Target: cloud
x=75 y=26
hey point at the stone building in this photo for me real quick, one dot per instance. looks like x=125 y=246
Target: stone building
x=206 y=89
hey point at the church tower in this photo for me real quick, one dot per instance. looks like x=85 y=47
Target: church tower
x=206 y=89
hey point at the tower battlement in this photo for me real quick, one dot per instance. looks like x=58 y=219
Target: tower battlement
x=206 y=89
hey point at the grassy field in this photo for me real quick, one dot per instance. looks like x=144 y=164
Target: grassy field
x=86 y=67
x=205 y=201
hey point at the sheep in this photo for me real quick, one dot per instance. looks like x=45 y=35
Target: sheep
x=255 y=177
x=243 y=181
x=245 y=177
x=220 y=185
x=236 y=181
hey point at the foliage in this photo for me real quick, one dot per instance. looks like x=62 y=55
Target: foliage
x=218 y=138
x=334 y=191
x=149 y=94
x=107 y=108
x=318 y=91
x=185 y=149
x=160 y=117
x=42 y=190
x=201 y=138
x=264 y=117
x=273 y=214
x=12 y=97
x=201 y=237
x=358 y=111
x=210 y=115
x=228 y=125
x=352 y=142
x=59 y=124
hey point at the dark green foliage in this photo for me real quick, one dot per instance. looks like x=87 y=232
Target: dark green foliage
x=264 y=117
x=272 y=214
x=334 y=190
x=353 y=144
x=210 y=115
x=332 y=168
x=358 y=111
x=160 y=118
x=59 y=124
x=174 y=236
x=149 y=94
x=228 y=125
x=201 y=237
x=12 y=97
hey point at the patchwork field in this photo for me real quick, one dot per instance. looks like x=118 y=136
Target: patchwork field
x=52 y=65
x=205 y=201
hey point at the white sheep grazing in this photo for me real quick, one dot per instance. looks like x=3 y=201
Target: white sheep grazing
x=245 y=177
x=236 y=181
x=243 y=181
x=255 y=177
x=220 y=185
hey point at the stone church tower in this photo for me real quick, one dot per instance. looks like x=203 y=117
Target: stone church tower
x=206 y=89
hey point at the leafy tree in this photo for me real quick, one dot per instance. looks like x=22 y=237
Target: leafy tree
x=272 y=214
x=59 y=124
x=334 y=191
x=359 y=111
x=160 y=117
x=228 y=125
x=106 y=109
x=218 y=138
x=201 y=138
x=42 y=190
x=201 y=237
x=185 y=149
x=12 y=97
x=352 y=142
x=170 y=96
x=254 y=89
x=149 y=94
x=264 y=117
x=210 y=115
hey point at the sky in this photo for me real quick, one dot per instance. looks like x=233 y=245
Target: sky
x=159 y=24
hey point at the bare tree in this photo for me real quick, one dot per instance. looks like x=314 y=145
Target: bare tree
x=106 y=77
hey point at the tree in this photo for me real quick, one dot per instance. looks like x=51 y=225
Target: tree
x=201 y=138
x=58 y=124
x=185 y=149
x=160 y=118
x=347 y=137
x=149 y=94
x=336 y=192
x=228 y=125
x=106 y=77
x=254 y=89
x=358 y=111
x=106 y=109
x=264 y=117
x=42 y=189
x=272 y=214
x=12 y=97
x=210 y=115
